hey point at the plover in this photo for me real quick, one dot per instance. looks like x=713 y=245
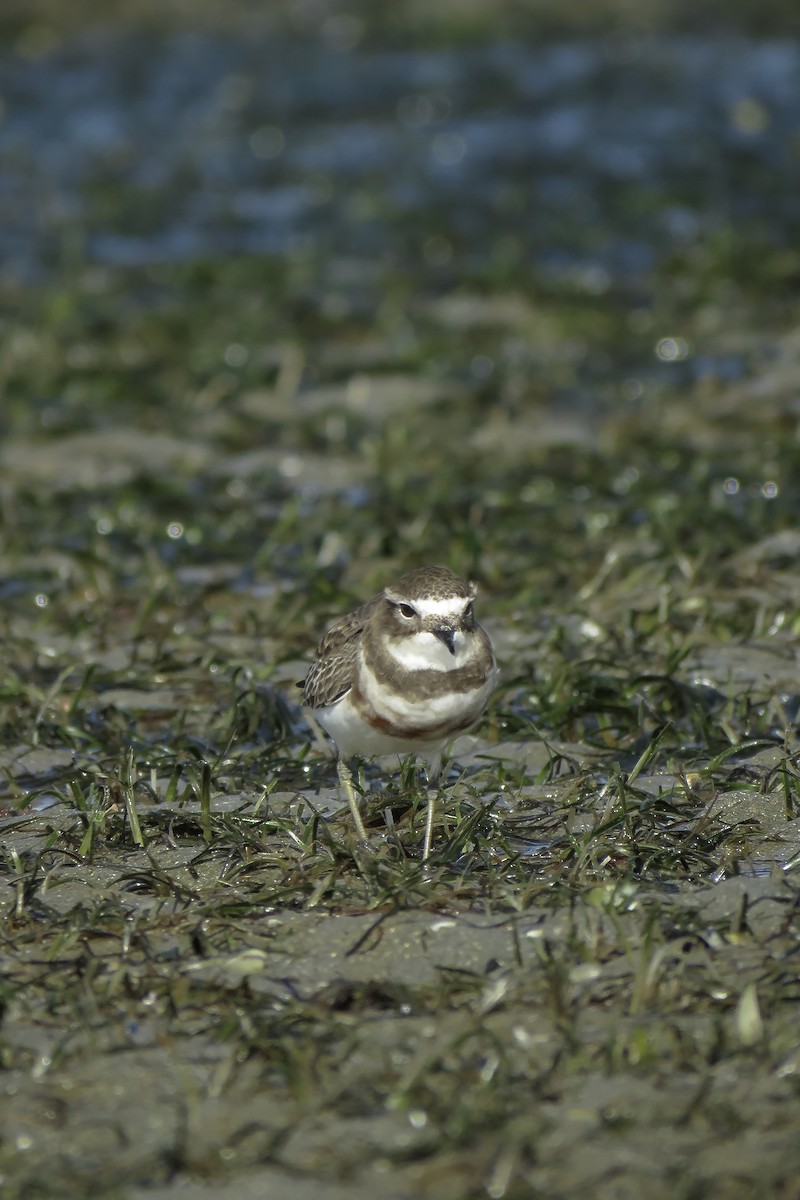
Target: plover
x=402 y=675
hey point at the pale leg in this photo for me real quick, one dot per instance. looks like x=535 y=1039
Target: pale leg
x=346 y=780
x=426 y=845
x=432 y=771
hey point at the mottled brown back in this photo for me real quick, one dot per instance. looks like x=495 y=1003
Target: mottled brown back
x=331 y=674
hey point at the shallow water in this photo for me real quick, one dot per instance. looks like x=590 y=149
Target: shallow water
x=192 y=146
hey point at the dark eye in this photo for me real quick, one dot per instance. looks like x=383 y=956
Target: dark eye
x=406 y=610
x=469 y=615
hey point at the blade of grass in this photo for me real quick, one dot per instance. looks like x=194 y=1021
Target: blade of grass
x=205 y=802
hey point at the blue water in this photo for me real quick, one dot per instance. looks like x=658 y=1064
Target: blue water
x=594 y=159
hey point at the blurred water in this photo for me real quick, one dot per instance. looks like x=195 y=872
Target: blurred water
x=163 y=150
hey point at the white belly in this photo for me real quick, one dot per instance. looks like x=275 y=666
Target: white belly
x=354 y=735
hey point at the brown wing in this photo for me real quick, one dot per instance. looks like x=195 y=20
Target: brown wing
x=331 y=674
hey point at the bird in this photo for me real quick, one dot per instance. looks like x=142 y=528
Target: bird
x=402 y=674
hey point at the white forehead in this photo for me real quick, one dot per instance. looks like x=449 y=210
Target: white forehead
x=443 y=606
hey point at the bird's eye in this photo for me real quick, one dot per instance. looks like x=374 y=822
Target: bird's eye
x=469 y=613
x=406 y=611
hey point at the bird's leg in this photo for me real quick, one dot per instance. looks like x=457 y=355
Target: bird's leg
x=346 y=780
x=432 y=772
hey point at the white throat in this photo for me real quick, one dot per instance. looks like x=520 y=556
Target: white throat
x=426 y=652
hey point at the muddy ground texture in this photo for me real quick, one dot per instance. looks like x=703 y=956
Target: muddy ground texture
x=281 y=317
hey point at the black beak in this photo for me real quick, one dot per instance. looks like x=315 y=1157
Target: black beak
x=447 y=634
